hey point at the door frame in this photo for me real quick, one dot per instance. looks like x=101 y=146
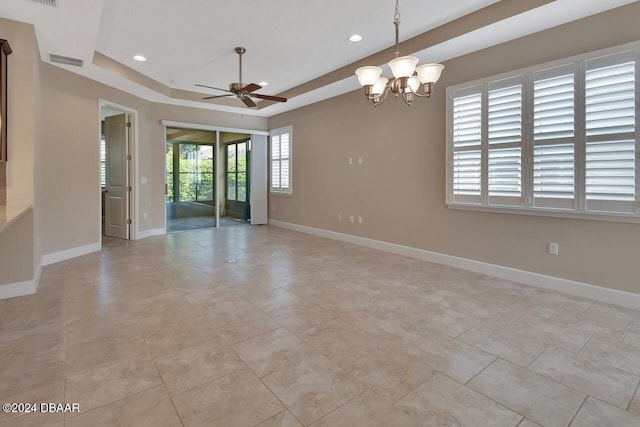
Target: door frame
x=217 y=129
x=132 y=168
x=248 y=173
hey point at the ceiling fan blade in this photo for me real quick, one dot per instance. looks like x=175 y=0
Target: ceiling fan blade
x=251 y=87
x=248 y=102
x=216 y=96
x=216 y=88
x=269 y=97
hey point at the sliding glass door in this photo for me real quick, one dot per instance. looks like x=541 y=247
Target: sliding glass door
x=237 y=165
x=191 y=179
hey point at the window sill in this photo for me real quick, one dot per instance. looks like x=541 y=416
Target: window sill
x=281 y=194
x=553 y=213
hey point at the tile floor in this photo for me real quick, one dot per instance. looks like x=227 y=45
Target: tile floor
x=300 y=330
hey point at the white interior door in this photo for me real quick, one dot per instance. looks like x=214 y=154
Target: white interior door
x=258 y=177
x=116 y=215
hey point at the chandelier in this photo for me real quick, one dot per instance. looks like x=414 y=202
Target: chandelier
x=407 y=78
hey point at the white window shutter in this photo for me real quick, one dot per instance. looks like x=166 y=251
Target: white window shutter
x=610 y=118
x=275 y=162
x=467 y=120
x=504 y=132
x=554 y=138
x=281 y=160
x=467 y=141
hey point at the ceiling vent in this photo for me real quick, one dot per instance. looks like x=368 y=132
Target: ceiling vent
x=66 y=60
x=53 y=3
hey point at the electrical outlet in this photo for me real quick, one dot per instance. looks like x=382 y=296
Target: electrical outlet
x=350 y=160
x=360 y=161
x=339 y=217
x=359 y=219
x=350 y=218
x=273 y=208
x=144 y=215
x=553 y=248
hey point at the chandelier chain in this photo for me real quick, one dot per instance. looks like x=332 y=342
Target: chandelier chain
x=396 y=22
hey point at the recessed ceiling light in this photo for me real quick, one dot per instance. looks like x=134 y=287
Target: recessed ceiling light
x=139 y=58
x=263 y=83
x=355 y=38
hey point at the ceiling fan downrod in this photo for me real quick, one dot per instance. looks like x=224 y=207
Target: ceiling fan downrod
x=238 y=86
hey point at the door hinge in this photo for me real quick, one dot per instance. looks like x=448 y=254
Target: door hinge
x=128 y=124
x=129 y=188
x=128 y=156
x=129 y=221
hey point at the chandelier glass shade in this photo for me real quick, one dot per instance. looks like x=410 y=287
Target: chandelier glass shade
x=408 y=76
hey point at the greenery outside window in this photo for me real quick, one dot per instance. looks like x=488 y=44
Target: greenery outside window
x=237 y=171
x=190 y=172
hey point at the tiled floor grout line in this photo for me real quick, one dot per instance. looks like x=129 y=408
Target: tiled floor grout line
x=521 y=421
x=578 y=411
x=173 y=404
x=546 y=347
x=626 y=331
x=286 y=408
x=465 y=331
x=417 y=387
x=275 y=415
x=636 y=392
x=164 y=385
x=483 y=369
x=584 y=345
x=366 y=389
x=484 y=395
x=571 y=387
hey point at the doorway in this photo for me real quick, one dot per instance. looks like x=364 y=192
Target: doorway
x=115 y=171
x=191 y=179
x=239 y=179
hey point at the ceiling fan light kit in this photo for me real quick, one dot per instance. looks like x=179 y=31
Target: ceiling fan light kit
x=407 y=79
x=242 y=92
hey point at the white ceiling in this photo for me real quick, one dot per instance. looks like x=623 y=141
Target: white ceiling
x=289 y=42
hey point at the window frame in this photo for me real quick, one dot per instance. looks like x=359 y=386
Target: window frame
x=236 y=171
x=578 y=207
x=279 y=190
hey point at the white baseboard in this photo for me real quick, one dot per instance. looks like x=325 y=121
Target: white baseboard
x=149 y=233
x=36 y=279
x=56 y=257
x=584 y=290
x=18 y=289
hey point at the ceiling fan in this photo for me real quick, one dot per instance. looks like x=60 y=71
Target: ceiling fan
x=242 y=92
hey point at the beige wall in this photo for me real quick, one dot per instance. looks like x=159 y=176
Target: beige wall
x=16 y=250
x=69 y=180
x=21 y=110
x=400 y=188
x=69 y=176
